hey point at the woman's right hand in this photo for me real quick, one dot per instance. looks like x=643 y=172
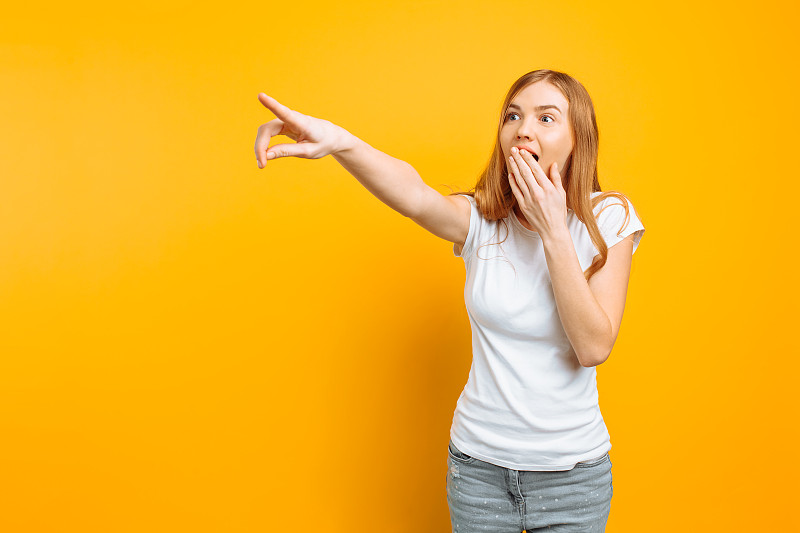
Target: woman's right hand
x=315 y=138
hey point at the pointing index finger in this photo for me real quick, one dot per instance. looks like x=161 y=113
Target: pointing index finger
x=280 y=110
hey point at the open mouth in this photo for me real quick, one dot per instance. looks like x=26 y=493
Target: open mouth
x=536 y=157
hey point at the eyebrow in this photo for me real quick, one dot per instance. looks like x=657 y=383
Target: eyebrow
x=537 y=108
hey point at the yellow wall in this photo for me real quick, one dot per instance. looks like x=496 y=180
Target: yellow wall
x=189 y=343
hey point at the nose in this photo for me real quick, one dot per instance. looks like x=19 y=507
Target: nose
x=524 y=131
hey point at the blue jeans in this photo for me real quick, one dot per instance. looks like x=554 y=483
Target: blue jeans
x=486 y=497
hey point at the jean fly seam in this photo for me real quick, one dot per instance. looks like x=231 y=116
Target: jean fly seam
x=515 y=490
x=521 y=505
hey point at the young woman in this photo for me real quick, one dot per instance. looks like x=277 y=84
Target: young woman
x=548 y=257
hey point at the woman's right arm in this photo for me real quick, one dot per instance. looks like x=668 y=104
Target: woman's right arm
x=398 y=185
x=393 y=181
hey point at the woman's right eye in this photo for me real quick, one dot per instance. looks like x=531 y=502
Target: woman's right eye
x=509 y=115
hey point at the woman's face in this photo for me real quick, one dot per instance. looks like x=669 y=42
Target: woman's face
x=537 y=119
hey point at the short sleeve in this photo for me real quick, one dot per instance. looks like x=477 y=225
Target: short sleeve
x=466 y=250
x=615 y=224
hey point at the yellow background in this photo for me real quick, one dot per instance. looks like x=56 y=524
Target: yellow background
x=189 y=343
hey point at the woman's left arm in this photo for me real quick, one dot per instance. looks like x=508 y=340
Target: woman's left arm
x=591 y=312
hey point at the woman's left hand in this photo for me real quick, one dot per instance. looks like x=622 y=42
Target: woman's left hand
x=541 y=198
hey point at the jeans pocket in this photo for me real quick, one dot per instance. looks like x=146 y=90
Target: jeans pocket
x=458 y=455
x=593 y=462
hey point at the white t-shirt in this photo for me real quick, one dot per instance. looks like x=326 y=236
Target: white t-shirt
x=528 y=403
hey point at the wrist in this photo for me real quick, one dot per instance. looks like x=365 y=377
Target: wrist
x=345 y=142
x=562 y=235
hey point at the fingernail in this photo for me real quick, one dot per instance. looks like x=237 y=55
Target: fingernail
x=259 y=163
x=270 y=155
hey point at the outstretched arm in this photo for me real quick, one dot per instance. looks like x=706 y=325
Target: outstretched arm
x=393 y=181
